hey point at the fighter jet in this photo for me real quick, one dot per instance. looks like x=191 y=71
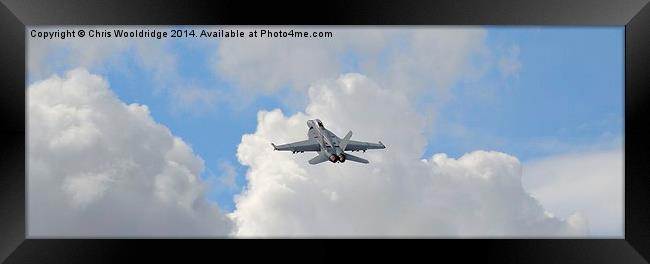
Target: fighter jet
x=329 y=146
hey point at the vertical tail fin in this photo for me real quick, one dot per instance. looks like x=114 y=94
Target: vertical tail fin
x=346 y=139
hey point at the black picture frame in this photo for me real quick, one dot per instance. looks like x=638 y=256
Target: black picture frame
x=15 y=15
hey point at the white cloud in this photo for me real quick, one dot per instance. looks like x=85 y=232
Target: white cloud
x=99 y=167
x=436 y=58
x=478 y=194
x=590 y=183
x=228 y=178
x=269 y=64
x=412 y=59
x=398 y=58
x=86 y=188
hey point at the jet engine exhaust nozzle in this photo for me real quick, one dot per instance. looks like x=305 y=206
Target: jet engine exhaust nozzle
x=342 y=158
x=334 y=158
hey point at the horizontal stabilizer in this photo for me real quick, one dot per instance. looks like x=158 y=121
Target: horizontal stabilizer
x=318 y=159
x=355 y=158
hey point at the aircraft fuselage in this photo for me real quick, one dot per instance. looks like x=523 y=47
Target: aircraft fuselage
x=328 y=145
x=329 y=142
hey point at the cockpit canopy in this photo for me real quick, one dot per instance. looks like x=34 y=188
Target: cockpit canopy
x=312 y=123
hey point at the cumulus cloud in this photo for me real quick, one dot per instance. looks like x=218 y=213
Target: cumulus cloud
x=587 y=182
x=228 y=177
x=100 y=167
x=398 y=194
x=398 y=58
x=411 y=59
x=269 y=64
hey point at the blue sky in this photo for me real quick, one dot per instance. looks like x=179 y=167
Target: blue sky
x=566 y=97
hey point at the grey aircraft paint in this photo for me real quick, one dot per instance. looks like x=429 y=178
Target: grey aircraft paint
x=328 y=145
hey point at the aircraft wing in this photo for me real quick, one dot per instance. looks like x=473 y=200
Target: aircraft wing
x=300 y=146
x=359 y=145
